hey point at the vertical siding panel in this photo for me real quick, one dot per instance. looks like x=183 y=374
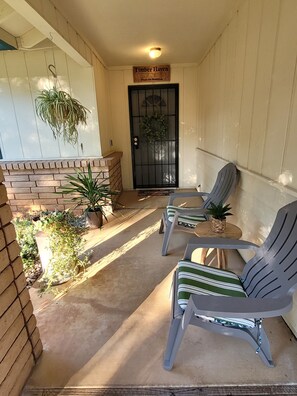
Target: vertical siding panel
x=226 y=92
x=214 y=79
x=190 y=131
x=120 y=119
x=38 y=80
x=10 y=139
x=255 y=9
x=179 y=75
x=241 y=35
x=81 y=82
x=199 y=113
x=204 y=104
x=289 y=168
x=266 y=53
x=60 y=58
x=201 y=104
x=283 y=75
x=23 y=104
x=229 y=142
x=211 y=104
x=206 y=115
x=219 y=135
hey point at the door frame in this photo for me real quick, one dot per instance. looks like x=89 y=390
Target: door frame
x=155 y=86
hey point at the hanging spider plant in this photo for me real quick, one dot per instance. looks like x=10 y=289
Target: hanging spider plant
x=61 y=112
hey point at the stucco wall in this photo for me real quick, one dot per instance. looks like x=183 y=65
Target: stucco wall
x=186 y=77
x=248 y=113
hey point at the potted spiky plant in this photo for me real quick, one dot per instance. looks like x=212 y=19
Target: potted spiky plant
x=218 y=214
x=90 y=191
x=61 y=112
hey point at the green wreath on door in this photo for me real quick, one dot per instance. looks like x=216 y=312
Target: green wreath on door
x=154 y=127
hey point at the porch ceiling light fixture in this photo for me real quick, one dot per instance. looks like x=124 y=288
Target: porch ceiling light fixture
x=155 y=52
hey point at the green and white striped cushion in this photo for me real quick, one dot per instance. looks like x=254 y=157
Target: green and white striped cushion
x=189 y=221
x=199 y=279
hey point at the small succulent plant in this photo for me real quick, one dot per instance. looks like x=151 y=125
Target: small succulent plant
x=219 y=211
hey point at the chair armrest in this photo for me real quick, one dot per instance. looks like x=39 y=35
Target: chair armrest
x=173 y=196
x=219 y=243
x=240 y=307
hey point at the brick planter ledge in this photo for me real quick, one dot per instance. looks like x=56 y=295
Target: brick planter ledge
x=33 y=185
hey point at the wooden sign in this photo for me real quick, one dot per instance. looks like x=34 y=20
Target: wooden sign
x=151 y=73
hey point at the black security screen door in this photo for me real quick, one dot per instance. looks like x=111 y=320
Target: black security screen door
x=154 y=135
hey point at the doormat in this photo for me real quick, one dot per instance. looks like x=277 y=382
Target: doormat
x=154 y=193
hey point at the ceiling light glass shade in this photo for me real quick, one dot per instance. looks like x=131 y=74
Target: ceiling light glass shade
x=155 y=52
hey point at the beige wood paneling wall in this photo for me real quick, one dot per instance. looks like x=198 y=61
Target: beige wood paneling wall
x=184 y=75
x=247 y=83
x=22 y=134
x=247 y=113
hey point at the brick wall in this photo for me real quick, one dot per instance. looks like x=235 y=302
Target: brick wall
x=20 y=345
x=33 y=185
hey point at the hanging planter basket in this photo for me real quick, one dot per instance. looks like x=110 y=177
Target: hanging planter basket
x=61 y=112
x=154 y=127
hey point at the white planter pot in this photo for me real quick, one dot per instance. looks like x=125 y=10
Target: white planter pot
x=44 y=249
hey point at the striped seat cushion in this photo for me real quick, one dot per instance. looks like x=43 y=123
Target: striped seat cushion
x=189 y=221
x=199 y=279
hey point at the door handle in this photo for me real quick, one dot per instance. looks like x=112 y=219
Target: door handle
x=136 y=142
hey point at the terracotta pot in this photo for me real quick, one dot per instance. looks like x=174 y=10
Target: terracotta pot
x=217 y=225
x=94 y=219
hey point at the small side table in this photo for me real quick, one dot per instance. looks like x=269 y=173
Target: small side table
x=203 y=229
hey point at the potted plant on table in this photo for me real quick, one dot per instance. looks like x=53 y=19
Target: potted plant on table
x=90 y=191
x=218 y=214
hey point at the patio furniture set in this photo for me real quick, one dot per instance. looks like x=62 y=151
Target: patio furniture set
x=217 y=299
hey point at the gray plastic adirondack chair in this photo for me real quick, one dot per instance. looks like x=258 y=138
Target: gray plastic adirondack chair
x=185 y=219
x=268 y=282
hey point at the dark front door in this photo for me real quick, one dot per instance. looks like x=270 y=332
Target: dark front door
x=154 y=135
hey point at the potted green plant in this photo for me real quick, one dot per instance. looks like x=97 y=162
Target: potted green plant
x=90 y=191
x=60 y=242
x=61 y=112
x=218 y=214
x=25 y=235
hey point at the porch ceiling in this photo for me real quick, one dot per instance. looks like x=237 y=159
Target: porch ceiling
x=122 y=31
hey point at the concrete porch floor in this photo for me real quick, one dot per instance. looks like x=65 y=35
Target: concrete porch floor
x=106 y=332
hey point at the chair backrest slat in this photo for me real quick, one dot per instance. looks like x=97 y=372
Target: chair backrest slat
x=224 y=185
x=273 y=271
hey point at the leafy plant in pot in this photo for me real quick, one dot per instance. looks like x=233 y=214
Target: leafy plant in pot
x=61 y=112
x=60 y=245
x=219 y=213
x=92 y=192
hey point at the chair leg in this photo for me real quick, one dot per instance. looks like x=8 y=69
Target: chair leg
x=175 y=337
x=263 y=350
x=166 y=238
x=161 y=229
